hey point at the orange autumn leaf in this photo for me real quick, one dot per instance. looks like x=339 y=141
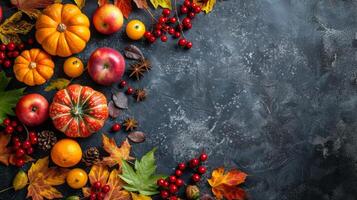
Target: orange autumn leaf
x=101 y=173
x=225 y=184
x=117 y=154
x=102 y=2
x=124 y=6
x=4 y=151
x=42 y=178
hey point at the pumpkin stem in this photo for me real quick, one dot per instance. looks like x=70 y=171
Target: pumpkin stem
x=61 y=27
x=32 y=65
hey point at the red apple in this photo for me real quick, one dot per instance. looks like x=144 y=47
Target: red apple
x=32 y=109
x=108 y=19
x=106 y=66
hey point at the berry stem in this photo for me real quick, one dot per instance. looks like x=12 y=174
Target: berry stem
x=178 y=19
x=151 y=15
x=27 y=131
x=6 y=189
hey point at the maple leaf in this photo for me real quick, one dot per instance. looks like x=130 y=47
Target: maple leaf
x=4 y=151
x=42 y=178
x=206 y=5
x=124 y=6
x=30 y=7
x=142 y=4
x=162 y=3
x=102 y=2
x=117 y=154
x=101 y=173
x=225 y=184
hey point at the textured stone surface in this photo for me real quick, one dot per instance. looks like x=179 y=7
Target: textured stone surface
x=266 y=88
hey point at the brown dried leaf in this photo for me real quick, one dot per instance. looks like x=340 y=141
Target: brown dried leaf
x=117 y=154
x=137 y=136
x=114 y=112
x=133 y=52
x=120 y=100
x=142 y=4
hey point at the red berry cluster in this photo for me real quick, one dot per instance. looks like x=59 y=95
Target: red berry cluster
x=168 y=23
x=23 y=148
x=129 y=90
x=170 y=186
x=11 y=126
x=10 y=51
x=98 y=191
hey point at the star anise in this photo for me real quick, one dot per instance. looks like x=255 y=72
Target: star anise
x=130 y=124
x=137 y=70
x=145 y=64
x=140 y=94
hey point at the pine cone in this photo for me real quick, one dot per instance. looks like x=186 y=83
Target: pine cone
x=91 y=156
x=46 y=140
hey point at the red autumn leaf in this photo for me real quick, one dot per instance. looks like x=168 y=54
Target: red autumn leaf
x=124 y=6
x=142 y=4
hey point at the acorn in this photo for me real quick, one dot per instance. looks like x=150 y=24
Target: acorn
x=192 y=192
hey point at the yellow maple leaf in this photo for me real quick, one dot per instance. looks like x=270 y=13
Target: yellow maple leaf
x=135 y=196
x=162 y=3
x=206 y=5
x=117 y=154
x=225 y=184
x=101 y=173
x=42 y=178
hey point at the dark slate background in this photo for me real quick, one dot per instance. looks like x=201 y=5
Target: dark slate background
x=266 y=89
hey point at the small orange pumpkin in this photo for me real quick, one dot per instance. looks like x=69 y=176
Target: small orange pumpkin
x=33 y=67
x=62 y=30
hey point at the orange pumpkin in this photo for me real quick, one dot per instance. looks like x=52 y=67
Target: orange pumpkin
x=62 y=30
x=33 y=67
x=79 y=111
